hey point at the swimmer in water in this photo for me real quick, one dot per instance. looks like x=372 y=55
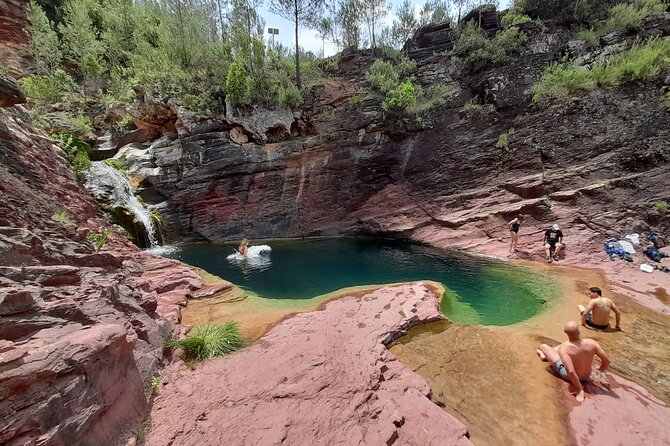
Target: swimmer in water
x=243 y=249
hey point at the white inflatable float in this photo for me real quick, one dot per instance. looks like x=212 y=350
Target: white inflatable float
x=253 y=252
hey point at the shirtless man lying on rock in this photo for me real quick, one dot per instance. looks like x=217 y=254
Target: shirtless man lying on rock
x=572 y=359
x=597 y=314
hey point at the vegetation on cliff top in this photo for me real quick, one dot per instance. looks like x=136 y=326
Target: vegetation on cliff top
x=643 y=61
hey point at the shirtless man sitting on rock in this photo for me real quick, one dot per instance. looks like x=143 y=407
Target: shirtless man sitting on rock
x=597 y=314
x=572 y=359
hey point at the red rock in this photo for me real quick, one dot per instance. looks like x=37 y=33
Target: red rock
x=324 y=376
x=626 y=414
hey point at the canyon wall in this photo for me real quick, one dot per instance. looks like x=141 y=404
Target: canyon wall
x=15 y=51
x=447 y=180
x=82 y=331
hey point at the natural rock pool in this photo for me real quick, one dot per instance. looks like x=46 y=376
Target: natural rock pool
x=478 y=290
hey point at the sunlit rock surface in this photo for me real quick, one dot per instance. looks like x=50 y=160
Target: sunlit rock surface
x=319 y=377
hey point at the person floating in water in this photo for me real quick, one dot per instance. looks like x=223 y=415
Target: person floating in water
x=553 y=239
x=514 y=227
x=572 y=360
x=597 y=314
x=243 y=249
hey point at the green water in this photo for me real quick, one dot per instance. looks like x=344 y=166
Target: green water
x=479 y=290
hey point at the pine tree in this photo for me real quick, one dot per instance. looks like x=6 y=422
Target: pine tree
x=46 y=46
x=404 y=27
x=299 y=12
x=79 y=35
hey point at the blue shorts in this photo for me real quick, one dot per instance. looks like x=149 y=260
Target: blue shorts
x=559 y=369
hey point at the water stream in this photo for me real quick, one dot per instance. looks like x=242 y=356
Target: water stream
x=111 y=188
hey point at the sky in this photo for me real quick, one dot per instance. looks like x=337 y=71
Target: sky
x=309 y=40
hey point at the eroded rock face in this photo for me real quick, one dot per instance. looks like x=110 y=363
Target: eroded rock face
x=15 y=51
x=81 y=332
x=451 y=179
x=303 y=384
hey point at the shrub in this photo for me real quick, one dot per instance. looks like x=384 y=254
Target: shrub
x=116 y=164
x=124 y=124
x=99 y=239
x=63 y=218
x=289 y=95
x=383 y=76
x=470 y=38
x=155 y=384
x=642 y=62
x=563 y=11
x=514 y=17
x=590 y=37
x=560 y=80
x=238 y=86
x=479 y=52
x=436 y=97
x=546 y=202
x=48 y=87
x=510 y=39
x=76 y=153
x=356 y=101
x=472 y=105
x=400 y=98
x=627 y=17
x=661 y=207
x=502 y=140
x=209 y=341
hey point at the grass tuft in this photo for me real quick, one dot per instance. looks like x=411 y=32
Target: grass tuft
x=209 y=341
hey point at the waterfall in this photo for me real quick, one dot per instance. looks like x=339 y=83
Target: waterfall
x=113 y=191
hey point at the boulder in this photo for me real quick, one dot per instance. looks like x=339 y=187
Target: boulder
x=10 y=92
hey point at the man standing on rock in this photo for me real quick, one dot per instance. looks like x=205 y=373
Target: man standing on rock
x=553 y=238
x=597 y=314
x=572 y=359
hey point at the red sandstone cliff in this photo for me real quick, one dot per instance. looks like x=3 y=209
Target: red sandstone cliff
x=15 y=51
x=82 y=332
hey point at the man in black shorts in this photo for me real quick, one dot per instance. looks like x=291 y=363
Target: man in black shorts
x=553 y=238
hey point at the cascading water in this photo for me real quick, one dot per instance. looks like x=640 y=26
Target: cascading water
x=114 y=193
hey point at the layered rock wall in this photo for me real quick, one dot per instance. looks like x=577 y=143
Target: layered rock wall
x=15 y=51
x=82 y=331
x=450 y=183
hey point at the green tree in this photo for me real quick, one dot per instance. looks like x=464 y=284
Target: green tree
x=406 y=24
x=434 y=11
x=238 y=86
x=373 y=12
x=247 y=26
x=324 y=29
x=118 y=35
x=46 y=46
x=298 y=12
x=349 y=19
x=77 y=30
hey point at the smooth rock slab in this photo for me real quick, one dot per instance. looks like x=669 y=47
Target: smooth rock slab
x=322 y=377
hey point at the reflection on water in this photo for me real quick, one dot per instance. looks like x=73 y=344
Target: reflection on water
x=479 y=290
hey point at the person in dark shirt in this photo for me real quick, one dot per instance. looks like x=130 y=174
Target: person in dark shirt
x=514 y=227
x=553 y=238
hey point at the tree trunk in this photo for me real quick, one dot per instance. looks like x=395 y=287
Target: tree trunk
x=223 y=39
x=297 y=48
x=249 y=45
